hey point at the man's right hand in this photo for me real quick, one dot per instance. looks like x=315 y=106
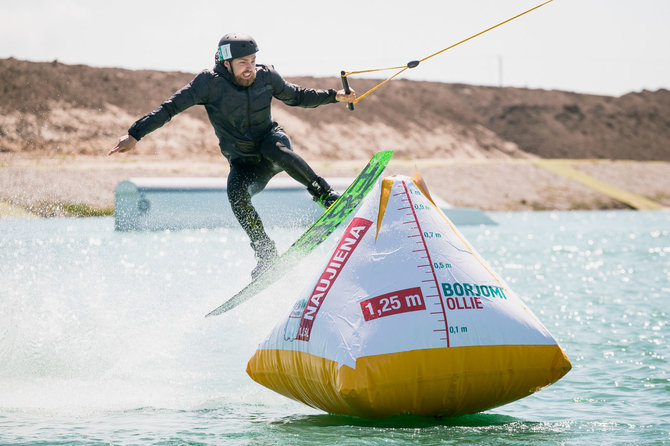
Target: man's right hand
x=125 y=144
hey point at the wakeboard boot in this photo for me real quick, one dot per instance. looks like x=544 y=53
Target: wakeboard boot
x=322 y=193
x=265 y=252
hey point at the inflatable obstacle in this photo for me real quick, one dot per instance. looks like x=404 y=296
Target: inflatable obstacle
x=405 y=317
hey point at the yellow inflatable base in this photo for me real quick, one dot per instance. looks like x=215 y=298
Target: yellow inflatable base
x=432 y=382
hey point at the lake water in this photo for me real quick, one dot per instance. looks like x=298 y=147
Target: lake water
x=103 y=338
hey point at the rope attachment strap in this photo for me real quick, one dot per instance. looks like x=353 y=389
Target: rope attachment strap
x=415 y=63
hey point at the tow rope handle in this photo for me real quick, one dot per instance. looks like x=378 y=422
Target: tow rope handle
x=347 y=90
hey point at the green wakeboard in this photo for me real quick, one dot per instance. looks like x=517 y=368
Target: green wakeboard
x=315 y=234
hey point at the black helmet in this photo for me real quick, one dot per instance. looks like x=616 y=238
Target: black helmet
x=234 y=45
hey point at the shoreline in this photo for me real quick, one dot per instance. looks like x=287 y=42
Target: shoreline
x=84 y=185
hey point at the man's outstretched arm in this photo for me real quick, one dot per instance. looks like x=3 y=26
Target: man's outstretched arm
x=195 y=92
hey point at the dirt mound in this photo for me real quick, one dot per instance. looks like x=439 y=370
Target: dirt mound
x=52 y=109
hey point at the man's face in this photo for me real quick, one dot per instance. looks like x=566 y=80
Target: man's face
x=244 y=69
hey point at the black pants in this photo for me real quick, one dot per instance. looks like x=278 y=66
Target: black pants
x=248 y=177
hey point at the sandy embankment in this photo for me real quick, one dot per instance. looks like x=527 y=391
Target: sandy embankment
x=83 y=185
x=57 y=121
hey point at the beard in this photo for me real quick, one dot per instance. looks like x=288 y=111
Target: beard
x=245 y=81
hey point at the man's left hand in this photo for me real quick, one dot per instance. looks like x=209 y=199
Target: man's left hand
x=341 y=96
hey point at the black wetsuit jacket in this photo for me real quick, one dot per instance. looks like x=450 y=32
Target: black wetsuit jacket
x=240 y=115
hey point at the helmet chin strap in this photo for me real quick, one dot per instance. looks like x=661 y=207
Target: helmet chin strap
x=229 y=67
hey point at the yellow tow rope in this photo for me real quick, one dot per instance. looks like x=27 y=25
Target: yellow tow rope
x=414 y=63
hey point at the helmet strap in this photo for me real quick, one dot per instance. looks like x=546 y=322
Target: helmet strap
x=229 y=67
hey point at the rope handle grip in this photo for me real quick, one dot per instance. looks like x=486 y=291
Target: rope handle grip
x=345 y=84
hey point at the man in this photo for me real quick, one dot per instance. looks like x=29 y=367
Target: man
x=237 y=95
